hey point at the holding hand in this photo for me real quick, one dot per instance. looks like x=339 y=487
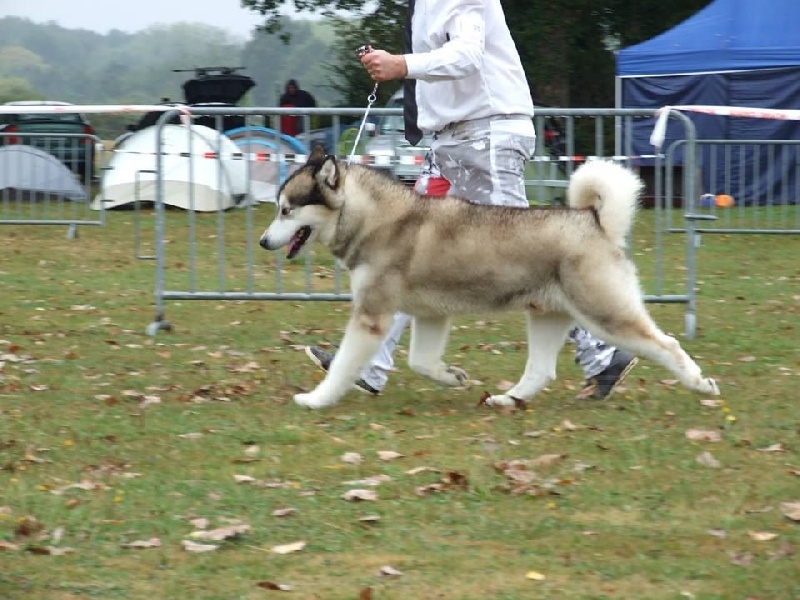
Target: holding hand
x=383 y=66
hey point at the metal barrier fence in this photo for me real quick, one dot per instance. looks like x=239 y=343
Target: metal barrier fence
x=218 y=253
x=47 y=179
x=750 y=187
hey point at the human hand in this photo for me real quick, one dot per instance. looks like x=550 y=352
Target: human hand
x=383 y=66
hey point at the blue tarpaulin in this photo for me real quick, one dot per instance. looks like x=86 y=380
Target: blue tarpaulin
x=731 y=53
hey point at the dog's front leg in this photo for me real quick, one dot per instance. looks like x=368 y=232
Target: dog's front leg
x=361 y=340
x=428 y=340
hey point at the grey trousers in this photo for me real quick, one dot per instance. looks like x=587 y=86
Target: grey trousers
x=484 y=161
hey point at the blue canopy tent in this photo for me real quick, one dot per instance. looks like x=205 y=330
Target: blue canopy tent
x=731 y=53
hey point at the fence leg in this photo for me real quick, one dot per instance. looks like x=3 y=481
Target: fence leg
x=72 y=232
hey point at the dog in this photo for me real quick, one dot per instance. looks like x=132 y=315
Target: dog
x=434 y=258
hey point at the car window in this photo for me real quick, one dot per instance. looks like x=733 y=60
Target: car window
x=53 y=117
x=391 y=124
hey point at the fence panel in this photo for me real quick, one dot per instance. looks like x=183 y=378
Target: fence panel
x=48 y=179
x=218 y=258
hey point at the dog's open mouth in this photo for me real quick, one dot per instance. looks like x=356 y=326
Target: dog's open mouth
x=298 y=241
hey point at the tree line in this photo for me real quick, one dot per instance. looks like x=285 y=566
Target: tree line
x=566 y=47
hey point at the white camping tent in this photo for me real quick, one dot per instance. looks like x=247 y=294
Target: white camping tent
x=202 y=170
x=30 y=171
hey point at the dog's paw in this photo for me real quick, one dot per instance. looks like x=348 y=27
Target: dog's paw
x=709 y=386
x=459 y=376
x=500 y=400
x=311 y=401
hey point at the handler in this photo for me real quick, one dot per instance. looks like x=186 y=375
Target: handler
x=464 y=82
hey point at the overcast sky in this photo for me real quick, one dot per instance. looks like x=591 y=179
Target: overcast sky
x=134 y=15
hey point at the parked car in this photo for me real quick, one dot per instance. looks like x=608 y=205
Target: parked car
x=77 y=152
x=389 y=150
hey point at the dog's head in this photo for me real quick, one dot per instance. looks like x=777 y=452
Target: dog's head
x=308 y=205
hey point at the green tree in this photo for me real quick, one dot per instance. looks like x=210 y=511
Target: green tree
x=565 y=45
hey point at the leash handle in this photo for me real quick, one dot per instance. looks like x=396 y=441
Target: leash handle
x=360 y=52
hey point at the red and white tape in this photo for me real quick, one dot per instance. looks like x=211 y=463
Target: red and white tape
x=660 y=129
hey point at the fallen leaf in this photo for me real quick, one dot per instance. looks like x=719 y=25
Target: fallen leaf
x=49 y=550
x=244 y=479
x=762 y=536
x=546 y=459
x=389 y=571
x=221 y=533
x=773 y=448
x=567 y=425
x=387 y=455
x=365 y=594
x=747 y=359
x=151 y=543
x=703 y=435
x=352 y=458
x=191 y=436
x=782 y=552
x=277 y=587
x=535 y=576
x=369 y=519
x=199 y=523
x=27 y=526
x=711 y=403
x=4 y=545
x=741 y=559
x=360 y=495
x=418 y=470
x=373 y=481
x=283 y=512
x=288 y=548
x=196 y=548
x=707 y=459
x=719 y=533
x=791 y=510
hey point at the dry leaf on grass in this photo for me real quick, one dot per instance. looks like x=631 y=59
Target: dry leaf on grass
x=49 y=550
x=535 y=576
x=762 y=536
x=221 y=533
x=418 y=470
x=365 y=594
x=153 y=542
x=275 y=587
x=195 y=435
x=4 y=545
x=741 y=559
x=707 y=459
x=711 y=403
x=773 y=448
x=369 y=519
x=283 y=512
x=703 y=435
x=791 y=510
x=718 y=533
x=288 y=548
x=360 y=495
x=244 y=479
x=199 y=523
x=389 y=571
x=387 y=455
x=196 y=548
x=352 y=458
x=372 y=481
x=546 y=459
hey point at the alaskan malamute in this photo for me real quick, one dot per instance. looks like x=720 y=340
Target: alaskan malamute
x=433 y=258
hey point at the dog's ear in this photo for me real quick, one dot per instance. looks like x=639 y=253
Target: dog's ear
x=317 y=156
x=329 y=174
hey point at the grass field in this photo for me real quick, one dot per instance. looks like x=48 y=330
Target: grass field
x=119 y=451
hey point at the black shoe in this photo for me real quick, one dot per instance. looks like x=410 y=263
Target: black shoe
x=602 y=385
x=324 y=359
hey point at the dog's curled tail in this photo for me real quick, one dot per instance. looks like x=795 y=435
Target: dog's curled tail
x=613 y=191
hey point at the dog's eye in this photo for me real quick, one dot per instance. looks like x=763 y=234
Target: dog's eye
x=285 y=211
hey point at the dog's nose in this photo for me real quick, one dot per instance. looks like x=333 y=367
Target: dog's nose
x=264 y=243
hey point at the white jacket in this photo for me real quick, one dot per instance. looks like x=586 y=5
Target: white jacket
x=466 y=63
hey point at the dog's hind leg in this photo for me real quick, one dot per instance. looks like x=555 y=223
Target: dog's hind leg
x=637 y=333
x=428 y=340
x=361 y=340
x=546 y=336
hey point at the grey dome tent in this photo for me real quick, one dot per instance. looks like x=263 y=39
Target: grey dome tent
x=29 y=172
x=738 y=53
